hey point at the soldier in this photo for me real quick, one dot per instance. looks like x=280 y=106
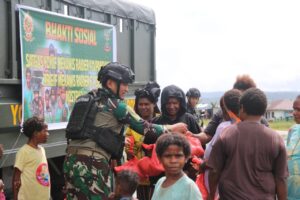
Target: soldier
x=193 y=96
x=95 y=137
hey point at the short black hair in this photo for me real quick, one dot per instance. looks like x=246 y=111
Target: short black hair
x=232 y=100
x=128 y=181
x=33 y=124
x=254 y=102
x=244 y=82
x=166 y=140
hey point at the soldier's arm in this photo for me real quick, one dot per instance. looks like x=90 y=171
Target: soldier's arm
x=126 y=114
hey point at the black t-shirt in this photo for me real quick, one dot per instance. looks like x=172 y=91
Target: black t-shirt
x=216 y=119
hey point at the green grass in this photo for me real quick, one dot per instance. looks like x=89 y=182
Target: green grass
x=276 y=125
x=282 y=125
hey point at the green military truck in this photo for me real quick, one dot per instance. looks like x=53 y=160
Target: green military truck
x=134 y=32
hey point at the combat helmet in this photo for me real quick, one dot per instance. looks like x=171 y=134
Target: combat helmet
x=117 y=72
x=193 y=92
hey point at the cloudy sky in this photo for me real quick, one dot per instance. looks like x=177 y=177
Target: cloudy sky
x=207 y=43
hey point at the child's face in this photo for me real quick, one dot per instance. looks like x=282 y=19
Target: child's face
x=42 y=136
x=296 y=112
x=173 y=160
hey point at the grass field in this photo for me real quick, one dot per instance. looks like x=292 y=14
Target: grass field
x=276 y=125
x=282 y=125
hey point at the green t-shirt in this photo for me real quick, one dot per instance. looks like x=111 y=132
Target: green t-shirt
x=184 y=188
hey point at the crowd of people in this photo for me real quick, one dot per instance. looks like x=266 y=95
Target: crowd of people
x=243 y=157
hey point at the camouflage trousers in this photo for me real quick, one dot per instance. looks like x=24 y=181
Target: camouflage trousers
x=87 y=177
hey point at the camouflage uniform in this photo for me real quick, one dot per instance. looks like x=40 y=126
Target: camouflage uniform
x=88 y=177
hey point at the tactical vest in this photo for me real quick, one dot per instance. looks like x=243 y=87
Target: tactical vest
x=81 y=125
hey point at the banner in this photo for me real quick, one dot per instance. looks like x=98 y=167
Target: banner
x=61 y=57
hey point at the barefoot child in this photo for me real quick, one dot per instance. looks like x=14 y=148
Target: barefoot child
x=31 y=179
x=173 y=151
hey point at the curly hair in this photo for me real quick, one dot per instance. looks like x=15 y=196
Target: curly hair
x=254 y=102
x=244 y=82
x=166 y=140
x=32 y=125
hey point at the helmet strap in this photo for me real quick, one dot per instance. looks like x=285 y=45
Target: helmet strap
x=115 y=93
x=118 y=89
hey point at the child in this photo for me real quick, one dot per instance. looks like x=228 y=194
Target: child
x=2 y=195
x=126 y=184
x=293 y=151
x=173 y=151
x=248 y=161
x=230 y=104
x=31 y=179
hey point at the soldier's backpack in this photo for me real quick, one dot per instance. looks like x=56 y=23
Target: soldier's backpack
x=81 y=126
x=80 y=116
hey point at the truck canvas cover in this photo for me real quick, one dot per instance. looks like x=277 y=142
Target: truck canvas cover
x=119 y=8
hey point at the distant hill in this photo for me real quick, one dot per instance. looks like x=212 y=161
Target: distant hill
x=208 y=97
x=282 y=95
